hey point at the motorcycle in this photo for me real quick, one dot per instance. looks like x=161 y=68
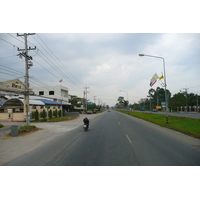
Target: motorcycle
x=85 y=127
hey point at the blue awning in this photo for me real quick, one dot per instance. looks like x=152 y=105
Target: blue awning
x=48 y=102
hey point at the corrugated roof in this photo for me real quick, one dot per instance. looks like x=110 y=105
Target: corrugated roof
x=46 y=101
x=34 y=102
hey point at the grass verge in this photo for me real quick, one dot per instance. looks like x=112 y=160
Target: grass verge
x=23 y=130
x=184 y=125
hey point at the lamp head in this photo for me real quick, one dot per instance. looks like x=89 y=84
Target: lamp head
x=141 y=54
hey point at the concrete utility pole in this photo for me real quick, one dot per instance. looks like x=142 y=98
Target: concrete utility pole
x=27 y=58
x=85 y=92
x=186 y=89
x=94 y=99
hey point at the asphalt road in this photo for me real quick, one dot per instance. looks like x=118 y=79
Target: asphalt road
x=113 y=139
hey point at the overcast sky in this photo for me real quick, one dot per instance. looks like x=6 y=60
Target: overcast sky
x=106 y=63
x=96 y=45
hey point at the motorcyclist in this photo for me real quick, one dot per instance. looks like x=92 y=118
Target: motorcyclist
x=86 y=121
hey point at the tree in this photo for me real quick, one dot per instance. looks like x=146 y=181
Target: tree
x=92 y=106
x=44 y=114
x=50 y=114
x=157 y=96
x=55 y=113
x=36 y=115
x=183 y=99
x=121 y=102
x=59 y=113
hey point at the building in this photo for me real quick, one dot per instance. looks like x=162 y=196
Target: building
x=12 y=106
x=56 y=93
x=12 y=87
x=13 y=109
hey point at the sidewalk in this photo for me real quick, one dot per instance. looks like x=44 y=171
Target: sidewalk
x=16 y=146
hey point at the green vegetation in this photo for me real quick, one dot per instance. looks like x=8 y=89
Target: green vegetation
x=1 y=125
x=25 y=129
x=55 y=113
x=185 y=125
x=59 y=113
x=181 y=101
x=50 y=113
x=100 y=111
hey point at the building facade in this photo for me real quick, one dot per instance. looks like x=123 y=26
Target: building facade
x=56 y=93
x=12 y=99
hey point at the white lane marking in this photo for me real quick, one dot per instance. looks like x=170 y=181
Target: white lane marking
x=74 y=143
x=118 y=123
x=128 y=138
x=68 y=149
x=58 y=159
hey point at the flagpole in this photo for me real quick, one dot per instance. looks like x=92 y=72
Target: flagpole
x=166 y=106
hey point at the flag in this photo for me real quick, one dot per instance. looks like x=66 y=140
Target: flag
x=154 y=79
x=60 y=80
x=161 y=77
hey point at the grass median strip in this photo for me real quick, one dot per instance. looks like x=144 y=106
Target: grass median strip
x=184 y=125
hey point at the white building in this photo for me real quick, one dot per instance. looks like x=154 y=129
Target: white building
x=56 y=93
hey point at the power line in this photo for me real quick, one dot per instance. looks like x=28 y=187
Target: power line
x=58 y=78
x=16 y=38
x=73 y=84
x=7 y=57
x=16 y=74
x=8 y=42
x=50 y=62
x=59 y=60
x=57 y=63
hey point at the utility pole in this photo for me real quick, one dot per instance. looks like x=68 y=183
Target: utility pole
x=186 y=89
x=27 y=58
x=94 y=99
x=85 y=92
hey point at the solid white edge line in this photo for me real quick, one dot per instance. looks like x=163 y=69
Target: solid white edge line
x=128 y=138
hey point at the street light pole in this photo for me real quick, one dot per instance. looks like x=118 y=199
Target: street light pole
x=164 y=83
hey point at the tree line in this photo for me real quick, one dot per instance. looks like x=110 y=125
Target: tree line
x=181 y=101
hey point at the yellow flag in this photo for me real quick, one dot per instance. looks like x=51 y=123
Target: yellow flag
x=161 y=77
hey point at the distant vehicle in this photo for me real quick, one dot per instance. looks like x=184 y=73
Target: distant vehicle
x=95 y=111
x=154 y=110
x=142 y=108
x=89 y=112
x=109 y=110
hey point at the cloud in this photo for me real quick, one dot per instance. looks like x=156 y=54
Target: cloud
x=108 y=63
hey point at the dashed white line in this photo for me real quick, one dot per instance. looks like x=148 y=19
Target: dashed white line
x=68 y=149
x=118 y=123
x=58 y=159
x=74 y=143
x=129 y=139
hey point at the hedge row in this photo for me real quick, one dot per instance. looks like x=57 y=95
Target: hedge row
x=43 y=114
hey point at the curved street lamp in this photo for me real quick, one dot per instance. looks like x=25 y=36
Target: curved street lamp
x=164 y=82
